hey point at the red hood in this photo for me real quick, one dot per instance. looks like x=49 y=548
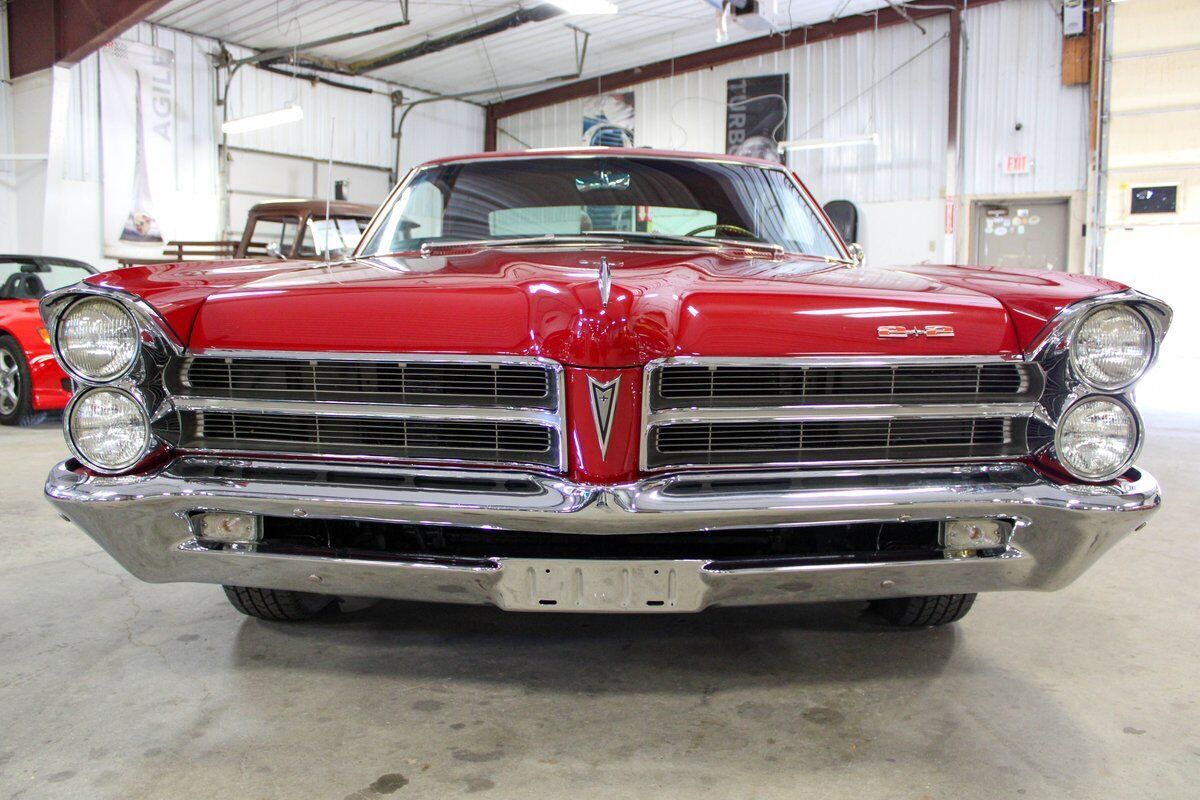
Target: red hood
x=546 y=302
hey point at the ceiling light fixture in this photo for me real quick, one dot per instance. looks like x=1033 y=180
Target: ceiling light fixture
x=823 y=144
x=269 y=119
x=586 y=6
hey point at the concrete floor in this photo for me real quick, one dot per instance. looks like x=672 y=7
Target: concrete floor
x=114 y=688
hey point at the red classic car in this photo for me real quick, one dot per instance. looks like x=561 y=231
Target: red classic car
x=604 y=381
x=31 y=382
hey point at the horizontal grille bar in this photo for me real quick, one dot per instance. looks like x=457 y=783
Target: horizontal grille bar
x=823 y=441
x=676 y=386
x=419 y=439
x=401 y=382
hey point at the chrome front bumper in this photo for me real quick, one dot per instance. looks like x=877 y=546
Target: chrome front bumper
x=1059 y=530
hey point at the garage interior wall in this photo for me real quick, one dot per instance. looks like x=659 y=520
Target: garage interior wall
x=8 y=169
x=1014 y=103
x=286 y=161
x=893 y=81
x=1153 y=139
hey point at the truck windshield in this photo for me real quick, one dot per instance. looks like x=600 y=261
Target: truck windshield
x=533 y=197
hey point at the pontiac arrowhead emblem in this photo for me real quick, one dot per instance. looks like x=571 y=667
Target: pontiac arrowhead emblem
x=604 y=405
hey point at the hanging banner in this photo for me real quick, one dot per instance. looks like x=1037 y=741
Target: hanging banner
x=756 y=116
x=137 y=135
x=608 y=120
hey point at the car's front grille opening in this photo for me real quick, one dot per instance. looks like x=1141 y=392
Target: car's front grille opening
x=398 y=382
x=407 y=438
x=732 y=385
x=733 y=549
x=716 y=443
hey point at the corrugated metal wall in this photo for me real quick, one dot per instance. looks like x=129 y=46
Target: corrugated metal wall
x=892 y=81
x=1014 y=76
x=361 y=121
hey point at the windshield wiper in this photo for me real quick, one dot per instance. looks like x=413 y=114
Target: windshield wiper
x=677 y=240
x=680 y=239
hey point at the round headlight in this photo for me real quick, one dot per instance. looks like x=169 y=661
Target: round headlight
x=1097 y=438
x=97 y=339
x=1112 y=347
x=108 y=429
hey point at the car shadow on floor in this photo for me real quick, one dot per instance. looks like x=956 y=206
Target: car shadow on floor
x=819 y=643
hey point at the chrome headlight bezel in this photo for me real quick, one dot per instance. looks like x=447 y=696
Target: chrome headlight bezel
x=148 y=443
x=61 y=352
x=1135 y=421
x=1076 y=361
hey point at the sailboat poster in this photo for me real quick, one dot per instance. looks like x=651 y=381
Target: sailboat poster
x=137 y=134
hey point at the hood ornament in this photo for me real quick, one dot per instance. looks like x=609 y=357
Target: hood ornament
x=604 y=278
x=604 y=407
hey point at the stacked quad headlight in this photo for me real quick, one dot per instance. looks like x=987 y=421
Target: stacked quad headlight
x=1099 y=433
x=1097 y=438
x=98 y=341
x=1112 y=347
x=108 y=429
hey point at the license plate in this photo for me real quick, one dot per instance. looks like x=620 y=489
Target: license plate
x=528 y=584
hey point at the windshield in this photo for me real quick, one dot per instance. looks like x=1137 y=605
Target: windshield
x=337 y=235
x=597 y=195
x=27 y=280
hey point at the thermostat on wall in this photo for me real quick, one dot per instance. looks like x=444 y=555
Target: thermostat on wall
x=1153 y=199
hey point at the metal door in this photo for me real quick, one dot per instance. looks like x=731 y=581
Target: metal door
x=1021 y=233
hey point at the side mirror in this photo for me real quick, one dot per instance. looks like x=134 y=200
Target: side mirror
x=858 y=254
x=273 y=250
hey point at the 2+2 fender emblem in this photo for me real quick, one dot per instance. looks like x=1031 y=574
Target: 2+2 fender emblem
x=604 y=406
x=901 y=332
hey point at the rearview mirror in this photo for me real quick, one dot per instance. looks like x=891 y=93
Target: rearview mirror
x=603 y=179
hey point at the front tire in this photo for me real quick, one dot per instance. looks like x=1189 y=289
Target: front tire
x=16 y=395
x=277 y=605
x=923 y=612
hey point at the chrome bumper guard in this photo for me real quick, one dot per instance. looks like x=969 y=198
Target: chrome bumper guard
x=143 y=521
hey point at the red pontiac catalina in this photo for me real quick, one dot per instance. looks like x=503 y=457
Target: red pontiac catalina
x=30 y=380
x=604 y=381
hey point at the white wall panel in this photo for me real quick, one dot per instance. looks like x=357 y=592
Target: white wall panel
x=1014 y=76
x=8 y=188
x=839 y=88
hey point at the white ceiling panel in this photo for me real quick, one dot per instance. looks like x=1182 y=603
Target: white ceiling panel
x=643 y=31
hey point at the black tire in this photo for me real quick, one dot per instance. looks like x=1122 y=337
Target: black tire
x=923 y=612
x=16 y=396
x=277 y=605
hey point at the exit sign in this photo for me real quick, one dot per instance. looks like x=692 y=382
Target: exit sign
x=1016 y=165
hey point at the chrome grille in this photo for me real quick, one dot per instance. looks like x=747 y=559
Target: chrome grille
x=752 y=412
x=367 y=380
x=711 y=444
x=467 y=440
x=461 y=409
x=722 y=385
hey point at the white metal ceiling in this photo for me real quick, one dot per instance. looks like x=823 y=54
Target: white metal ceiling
x=644 y=31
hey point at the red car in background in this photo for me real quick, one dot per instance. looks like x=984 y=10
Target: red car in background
x=31 y=382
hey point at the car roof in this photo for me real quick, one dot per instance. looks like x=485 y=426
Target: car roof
x=316 y=208
x=617 y=152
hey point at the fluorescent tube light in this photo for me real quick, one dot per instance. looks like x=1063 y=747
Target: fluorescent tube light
x=822 y=144
x=586 y=6
x=269 y=119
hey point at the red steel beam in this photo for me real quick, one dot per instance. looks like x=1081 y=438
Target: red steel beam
x=763 y=45
x=42 y=33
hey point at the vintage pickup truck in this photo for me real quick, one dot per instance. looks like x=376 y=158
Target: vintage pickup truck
x=604 y=381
